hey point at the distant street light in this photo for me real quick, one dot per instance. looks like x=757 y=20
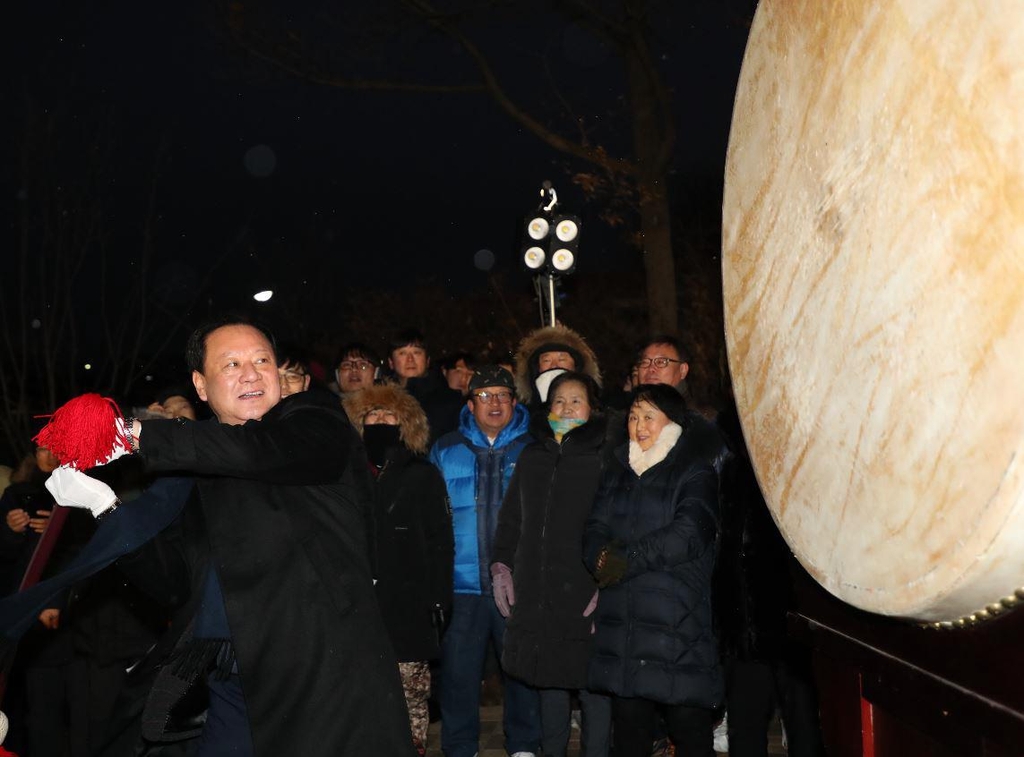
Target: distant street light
x=549 y=254
x=263 y=296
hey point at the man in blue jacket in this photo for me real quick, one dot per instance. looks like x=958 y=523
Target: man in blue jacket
x=477 y=461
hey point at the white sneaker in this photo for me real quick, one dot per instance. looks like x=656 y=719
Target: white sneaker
x=524 y=754
x=722 y=735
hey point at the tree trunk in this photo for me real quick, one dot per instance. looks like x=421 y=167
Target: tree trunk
x=651 y=135
x=659 y=264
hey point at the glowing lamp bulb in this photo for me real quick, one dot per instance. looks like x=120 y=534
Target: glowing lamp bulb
x=538 y=228
x=567 y=230
x=263 y=296
x=534 y=258
x=562 y=260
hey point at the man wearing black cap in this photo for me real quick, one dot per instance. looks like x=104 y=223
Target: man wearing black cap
x=476 y=462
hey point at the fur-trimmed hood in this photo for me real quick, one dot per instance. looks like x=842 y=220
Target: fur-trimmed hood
x=412 y=421
x=526 y=364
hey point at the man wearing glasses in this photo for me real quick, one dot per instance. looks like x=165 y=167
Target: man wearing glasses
x=293 y=371
x=476 y=461
x=357 y=367
x=663 y=360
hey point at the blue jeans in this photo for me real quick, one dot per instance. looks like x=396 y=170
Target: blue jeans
x=475 y=623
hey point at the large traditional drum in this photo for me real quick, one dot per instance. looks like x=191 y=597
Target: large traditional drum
x=873 y=270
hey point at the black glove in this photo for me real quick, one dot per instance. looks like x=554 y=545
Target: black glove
x=611 y=565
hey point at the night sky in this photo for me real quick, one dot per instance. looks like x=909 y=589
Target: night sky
x=275 y=181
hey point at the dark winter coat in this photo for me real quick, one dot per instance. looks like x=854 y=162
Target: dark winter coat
x=41 y=646
x=122 y=532
x=540 y=536
x=440 y=402
x=753 y=589
x=415 y=547
x=415 y=551
x=655 y=638
x=114 y=621
x=283 y=512
x=16 y=548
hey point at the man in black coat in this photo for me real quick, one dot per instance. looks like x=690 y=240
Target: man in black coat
x=269 y=566
x=753 y=592
x=409 y=360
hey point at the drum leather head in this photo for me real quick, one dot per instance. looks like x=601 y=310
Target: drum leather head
x=873 y=266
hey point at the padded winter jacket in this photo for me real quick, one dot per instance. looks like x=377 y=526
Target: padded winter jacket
x=540 y=536
x=654 y=637
x=477 y=475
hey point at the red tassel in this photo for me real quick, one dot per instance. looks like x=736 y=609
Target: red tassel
x=84 y=432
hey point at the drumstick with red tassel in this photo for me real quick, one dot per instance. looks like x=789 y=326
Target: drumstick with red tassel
x=86 y=431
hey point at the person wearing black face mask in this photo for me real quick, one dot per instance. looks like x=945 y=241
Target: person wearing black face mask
x=413 y=529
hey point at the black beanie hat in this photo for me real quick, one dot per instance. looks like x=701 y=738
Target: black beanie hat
x=492 y=375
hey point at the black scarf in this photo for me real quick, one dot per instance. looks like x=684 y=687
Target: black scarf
x=378 y=438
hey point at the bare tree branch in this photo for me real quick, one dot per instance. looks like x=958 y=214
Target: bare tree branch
x=603 y=26
x=265 y=50
x=553 y=139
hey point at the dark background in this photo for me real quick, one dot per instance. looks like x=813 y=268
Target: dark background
x=207 y=173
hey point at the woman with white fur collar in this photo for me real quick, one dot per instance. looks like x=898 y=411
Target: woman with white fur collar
x=651 y=542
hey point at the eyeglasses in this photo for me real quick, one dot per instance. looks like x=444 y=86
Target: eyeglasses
x=502 y=398
x=356 y=365
x=292 y=378
x=657 y=362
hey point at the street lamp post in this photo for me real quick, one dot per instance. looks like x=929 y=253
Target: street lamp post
x=549 y=246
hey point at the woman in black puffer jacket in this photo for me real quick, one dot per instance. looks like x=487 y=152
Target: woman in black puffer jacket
x=540 y=582
x=651 y=543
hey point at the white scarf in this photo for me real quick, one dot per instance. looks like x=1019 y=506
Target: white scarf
x=641 y=461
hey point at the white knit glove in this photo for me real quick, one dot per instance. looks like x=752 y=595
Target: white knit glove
x=72 y=488
x=122 y=429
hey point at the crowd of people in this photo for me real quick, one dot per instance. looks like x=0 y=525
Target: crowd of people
x=334 y=555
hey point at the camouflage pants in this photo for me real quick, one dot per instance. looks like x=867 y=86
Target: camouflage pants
x=416 y=684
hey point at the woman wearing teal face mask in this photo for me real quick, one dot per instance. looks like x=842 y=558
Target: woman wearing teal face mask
x=540 y=582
